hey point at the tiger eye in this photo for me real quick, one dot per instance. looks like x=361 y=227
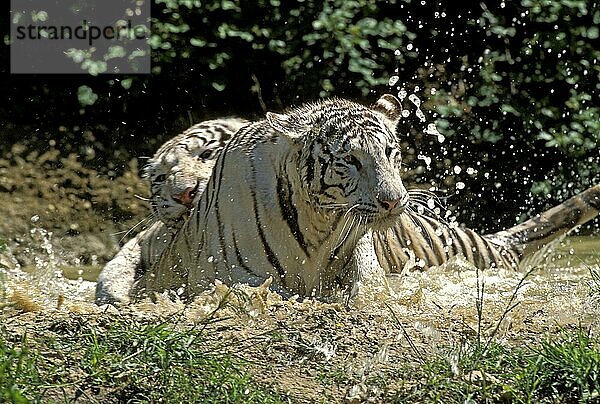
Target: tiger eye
x=352 y=160
x=205 y=154
x=389 y=151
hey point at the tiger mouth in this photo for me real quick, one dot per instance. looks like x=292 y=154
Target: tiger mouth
x=381 y=220
x=386 y=221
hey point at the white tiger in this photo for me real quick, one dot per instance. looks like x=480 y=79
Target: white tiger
x=178 y=172
x=415 y=236
x=181 y=167
x=288 y=199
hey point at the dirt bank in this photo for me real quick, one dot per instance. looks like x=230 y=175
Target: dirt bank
x=87 y=212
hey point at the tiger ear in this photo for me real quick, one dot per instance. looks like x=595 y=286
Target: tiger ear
x=390 y=106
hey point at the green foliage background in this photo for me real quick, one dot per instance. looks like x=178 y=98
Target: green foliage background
x=513 y=86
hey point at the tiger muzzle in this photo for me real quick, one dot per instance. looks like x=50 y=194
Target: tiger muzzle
x=394 y=199
x=186 y=197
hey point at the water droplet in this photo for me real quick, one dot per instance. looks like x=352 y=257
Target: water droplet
x=460 y=185
x=35 y=218
x=432 y=130
x=426 y=159
x=415 y=100
x=393 y=80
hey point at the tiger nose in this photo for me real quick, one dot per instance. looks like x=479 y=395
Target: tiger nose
x=187 y=196
x=389 y=205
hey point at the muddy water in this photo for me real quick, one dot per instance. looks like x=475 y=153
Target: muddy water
x=575 y=252
x=557 y=290
x=560 y=291
x=562 y=288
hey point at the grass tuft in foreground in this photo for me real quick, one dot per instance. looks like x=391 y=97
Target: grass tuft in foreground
x=562 y=368
x=594 y=283
x=567 y=367
x=121 y=361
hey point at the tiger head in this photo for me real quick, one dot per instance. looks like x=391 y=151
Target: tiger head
x=349 y=157
x=180 y=169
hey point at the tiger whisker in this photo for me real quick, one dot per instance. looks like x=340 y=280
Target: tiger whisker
x=135 y=226
x=342 y=234
x=345 y=233
x=424 y=209
x=352 y=207
x=356 y=228
x=426 y=234
x=428 y=195
x=427 y=203
x=422 y=191
x=418 y=207
x=333 y=206
x=150 y=216
x=426 y=198
x=142 y=198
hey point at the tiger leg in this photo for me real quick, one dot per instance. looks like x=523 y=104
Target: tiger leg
x=118 y=275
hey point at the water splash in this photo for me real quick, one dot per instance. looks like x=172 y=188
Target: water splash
x=402 y=93
x=432 y=130
x=43 y=286
x=417 y=102
x=426 y=159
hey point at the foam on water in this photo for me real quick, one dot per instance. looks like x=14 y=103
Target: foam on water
x=432 y=301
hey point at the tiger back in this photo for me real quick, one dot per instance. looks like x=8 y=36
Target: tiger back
x=423 y=241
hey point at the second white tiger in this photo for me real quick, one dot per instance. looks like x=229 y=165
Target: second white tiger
x=178 y=173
